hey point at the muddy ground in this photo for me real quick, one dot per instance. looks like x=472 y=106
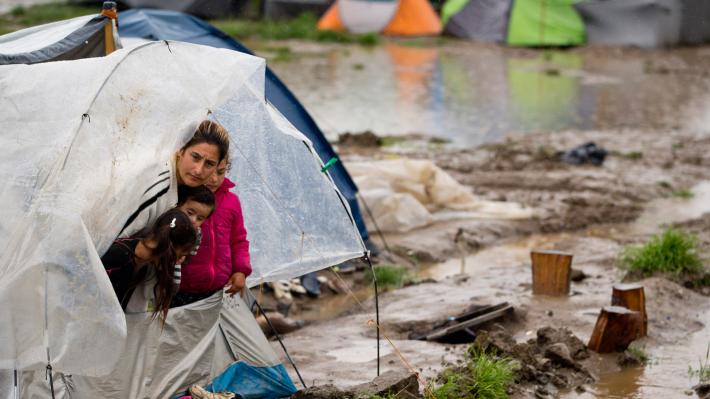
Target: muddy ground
x=589 y=211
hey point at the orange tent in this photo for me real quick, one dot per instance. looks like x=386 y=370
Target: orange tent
x=396 y=17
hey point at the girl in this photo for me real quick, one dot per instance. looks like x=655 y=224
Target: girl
x=150 y=254
x=223 y=258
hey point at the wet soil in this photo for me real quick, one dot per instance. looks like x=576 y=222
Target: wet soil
x=589 y=211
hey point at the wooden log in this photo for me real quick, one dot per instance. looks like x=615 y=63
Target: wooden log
x=616 y=328
x=551 y=272
x=631 y=296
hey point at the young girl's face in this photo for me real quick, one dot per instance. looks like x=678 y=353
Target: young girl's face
x=196 y=211
x=217 y=177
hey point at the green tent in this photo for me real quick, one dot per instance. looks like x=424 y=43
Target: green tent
x=545 y=23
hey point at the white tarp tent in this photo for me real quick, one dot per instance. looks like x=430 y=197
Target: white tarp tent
x=83 y=141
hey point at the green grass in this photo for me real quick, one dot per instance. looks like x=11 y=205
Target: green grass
x=673 y=252
x=389 y=276
x=683 y=193
x=634 y=155
x=484 y=376
x=702 y=373
x=639 y=354
x=302 y=27
x=24 y=17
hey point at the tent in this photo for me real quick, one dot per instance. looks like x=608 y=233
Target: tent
x=545 y=23
x=515 y=22
x=81 y=151
x=391 y=17
x=170 y=25
x=89 y=36
x=646 y=23
x=481 y=20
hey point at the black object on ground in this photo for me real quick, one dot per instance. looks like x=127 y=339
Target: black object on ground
x=311 y=284
x=585 y=153
x=461 y=329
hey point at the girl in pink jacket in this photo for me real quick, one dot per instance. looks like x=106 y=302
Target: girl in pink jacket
x=222 y=260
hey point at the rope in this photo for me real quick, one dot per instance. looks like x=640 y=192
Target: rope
x=374 y=221
x=374 y=323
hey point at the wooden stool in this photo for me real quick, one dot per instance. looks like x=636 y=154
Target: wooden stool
x=631 y=296
x=551 y=272
x=615 y=329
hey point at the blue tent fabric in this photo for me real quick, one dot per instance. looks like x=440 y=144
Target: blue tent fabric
x=172 y=25
x=249 y=382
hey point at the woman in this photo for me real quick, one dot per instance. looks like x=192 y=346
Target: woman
x=191 y=165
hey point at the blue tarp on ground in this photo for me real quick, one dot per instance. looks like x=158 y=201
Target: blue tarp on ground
x=172 y=25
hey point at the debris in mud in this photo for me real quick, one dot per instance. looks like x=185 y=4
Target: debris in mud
x=363 y=139
x=548 y=363
x=585 y=153
x=398 y=384
x=461 y=329
x=577 y=275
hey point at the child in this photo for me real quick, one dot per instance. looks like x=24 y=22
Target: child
x=159 y=247
x=198 y=204
x=223 y=257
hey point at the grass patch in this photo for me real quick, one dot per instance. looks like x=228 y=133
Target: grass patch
x=358 y=67
x=702 y=373
x=302 y=27
x=639 y=354
x=683 y=193
x=23 y=17
x=633 y=155
x=389 y=141
x=673 y=252
x=389 y=276
x=483 y=376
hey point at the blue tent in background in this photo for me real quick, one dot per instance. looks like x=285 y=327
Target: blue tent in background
x=172 y=25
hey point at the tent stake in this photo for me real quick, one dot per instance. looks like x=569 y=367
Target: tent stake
x=280 y=342
x=377 y=308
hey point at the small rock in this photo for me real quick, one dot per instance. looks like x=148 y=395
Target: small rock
x=550 y=313
x=390 y=382
x=577 y=275
x=559 y=354
x=703 y=390
x=627 y=359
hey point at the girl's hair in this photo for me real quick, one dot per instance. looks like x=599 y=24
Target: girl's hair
x=172 y=231
x=210 y=132
x=200 y=194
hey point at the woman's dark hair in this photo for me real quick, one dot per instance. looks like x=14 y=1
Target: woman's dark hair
x=172 y=231
x=200 y=194
x=210 y=132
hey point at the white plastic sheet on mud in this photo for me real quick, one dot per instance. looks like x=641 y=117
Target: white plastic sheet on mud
x=405 y=194
x=84 y=140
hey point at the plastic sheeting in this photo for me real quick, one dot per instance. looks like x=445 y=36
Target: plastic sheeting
x=405 y=194
x=482 y=20
x=82 y=149
x=203 y=343
x=80 y=37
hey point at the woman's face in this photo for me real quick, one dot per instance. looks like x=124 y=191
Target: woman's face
x=195 y=164
x=215 y=181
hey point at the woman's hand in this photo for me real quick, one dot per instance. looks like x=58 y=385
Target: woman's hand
x=236 y=284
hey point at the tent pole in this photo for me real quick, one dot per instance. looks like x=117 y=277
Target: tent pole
x=280 y=342
x=377 y=308
x=17 y=388
x=377 y=228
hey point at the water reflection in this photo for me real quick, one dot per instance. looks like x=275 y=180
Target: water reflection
x=473 y=94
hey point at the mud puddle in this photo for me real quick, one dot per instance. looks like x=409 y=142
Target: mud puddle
x=667 y=211
x=473 y=94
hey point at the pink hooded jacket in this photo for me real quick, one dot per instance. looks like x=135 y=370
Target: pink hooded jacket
x=224 y=249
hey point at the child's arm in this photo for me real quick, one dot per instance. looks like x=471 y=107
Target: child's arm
x=241 y=263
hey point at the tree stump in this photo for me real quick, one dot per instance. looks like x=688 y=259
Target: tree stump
x=551 y=272
x=631 y=296
x=616 y=328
